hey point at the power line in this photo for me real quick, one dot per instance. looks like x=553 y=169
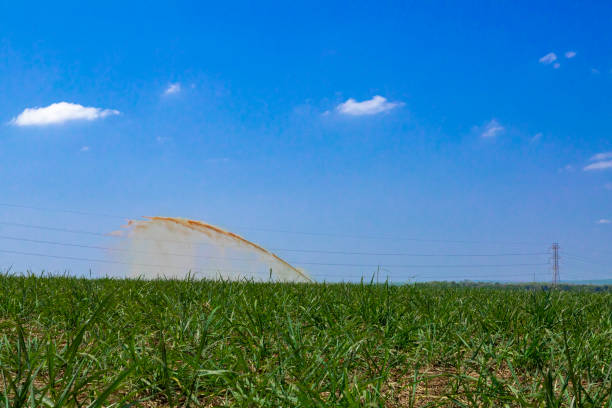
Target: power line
x=408 y=253
x=293 y=250
x=105 y=261
x=329 y=252
x=243 y=259
x=396 y=273
x=583 y=259
x=423 y=266
x=78 y=212
x=37 y=241
x=313 y=233
x=383 y=237
x=57 y=229
x=332 y=252
x=107 y=235
x=395 y=276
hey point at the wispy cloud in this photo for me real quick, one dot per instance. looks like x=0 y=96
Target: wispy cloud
x=377 y=104
x=491 y=129
x=85 y=149
x=556 y=65
x=536 y=138
x=604 y=221
x=58 y=113
x=570 y=54
x=601 y=156
x=548 y=58
x=600 y=165
x=173 y=89
x=601 y=161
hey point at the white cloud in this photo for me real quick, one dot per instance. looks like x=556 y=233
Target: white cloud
x=536 y=138
x=601 y=156
x=601 y=161
x=604 y=221
x=85 y=148
x=173 y=89
x=570 y=54
x=548 y=58
x=491 y=129
x=58 y=113
x=600 y=165
x=377 y=104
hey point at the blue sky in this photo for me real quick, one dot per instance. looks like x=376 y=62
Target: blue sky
x=391 y=127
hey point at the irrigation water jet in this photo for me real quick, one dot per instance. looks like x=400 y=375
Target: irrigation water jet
x=179 y=248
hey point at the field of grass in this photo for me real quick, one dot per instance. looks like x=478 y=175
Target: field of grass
x=77 y=342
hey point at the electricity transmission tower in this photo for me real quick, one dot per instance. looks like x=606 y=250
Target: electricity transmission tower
x=555 y=263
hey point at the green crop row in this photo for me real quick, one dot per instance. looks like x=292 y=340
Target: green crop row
x=75 y=342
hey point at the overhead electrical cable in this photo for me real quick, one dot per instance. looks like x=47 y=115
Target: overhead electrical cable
x=48 y=242
x=109 y=235
x=284 y=231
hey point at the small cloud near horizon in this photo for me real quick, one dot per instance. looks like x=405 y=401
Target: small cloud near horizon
x=601 y=161
x=601 y=156
x=570 y=54
x=173 y=89
x=548 y=58
x=491 y=129
x=58 y=113
x=378 y=104
x=600 y=165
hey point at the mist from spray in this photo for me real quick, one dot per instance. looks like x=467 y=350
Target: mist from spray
x=178 y=248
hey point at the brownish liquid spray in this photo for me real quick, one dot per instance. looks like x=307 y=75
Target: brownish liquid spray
x=175 y=247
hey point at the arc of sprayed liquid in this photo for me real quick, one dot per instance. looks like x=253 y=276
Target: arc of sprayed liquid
x=208 y=229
